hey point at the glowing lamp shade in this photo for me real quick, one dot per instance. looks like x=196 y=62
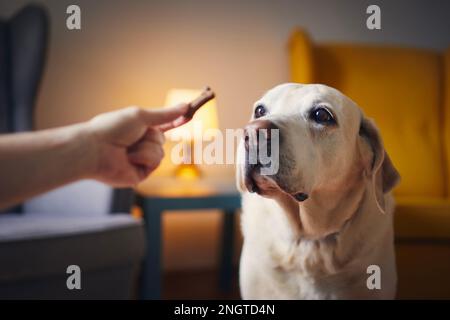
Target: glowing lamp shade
x=204 y=119
x=200 y=127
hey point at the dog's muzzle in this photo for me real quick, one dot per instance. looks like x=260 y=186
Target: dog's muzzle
x=258 y=140
x=257 y=137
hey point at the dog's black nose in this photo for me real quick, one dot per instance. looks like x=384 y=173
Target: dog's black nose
x=256 y=130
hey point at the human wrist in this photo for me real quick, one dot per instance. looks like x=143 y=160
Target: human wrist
x=82 y=146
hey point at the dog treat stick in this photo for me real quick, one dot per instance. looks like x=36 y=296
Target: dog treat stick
x=194 y=105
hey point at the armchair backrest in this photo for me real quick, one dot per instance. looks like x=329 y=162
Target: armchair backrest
x=23 y=43
x=401 y=88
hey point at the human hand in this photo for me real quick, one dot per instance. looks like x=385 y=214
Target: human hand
x=127 y=143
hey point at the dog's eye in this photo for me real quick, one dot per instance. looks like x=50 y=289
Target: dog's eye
x=322 y=116
x=260 y=111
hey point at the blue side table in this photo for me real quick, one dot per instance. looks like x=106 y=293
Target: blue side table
x=173 y=194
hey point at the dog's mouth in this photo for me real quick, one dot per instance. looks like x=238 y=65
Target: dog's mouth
x=269 y=186
x=250 y=183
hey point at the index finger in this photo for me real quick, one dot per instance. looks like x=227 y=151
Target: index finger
x=174 y=124
x=164 y=115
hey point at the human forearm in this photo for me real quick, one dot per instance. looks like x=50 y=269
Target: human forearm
x=31 y=163
x=120 y=148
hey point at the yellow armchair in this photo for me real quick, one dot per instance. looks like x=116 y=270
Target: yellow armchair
x=407 y=92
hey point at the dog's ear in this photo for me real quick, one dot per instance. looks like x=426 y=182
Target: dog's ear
x=380 y=169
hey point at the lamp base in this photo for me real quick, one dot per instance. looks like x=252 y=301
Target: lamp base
x=188 y=171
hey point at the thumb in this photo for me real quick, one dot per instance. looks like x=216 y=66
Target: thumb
x=163 y=115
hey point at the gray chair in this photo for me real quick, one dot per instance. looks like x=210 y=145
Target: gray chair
x=72 y=225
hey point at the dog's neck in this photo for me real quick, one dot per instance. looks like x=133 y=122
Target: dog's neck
x=327 y=209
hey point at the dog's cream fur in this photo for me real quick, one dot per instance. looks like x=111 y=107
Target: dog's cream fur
x=319 y=248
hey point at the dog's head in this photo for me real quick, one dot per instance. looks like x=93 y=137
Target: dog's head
x=317 y=139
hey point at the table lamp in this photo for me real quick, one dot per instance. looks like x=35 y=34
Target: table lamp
x=204 y=119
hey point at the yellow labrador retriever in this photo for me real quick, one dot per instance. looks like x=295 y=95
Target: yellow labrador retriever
x=316 y=226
